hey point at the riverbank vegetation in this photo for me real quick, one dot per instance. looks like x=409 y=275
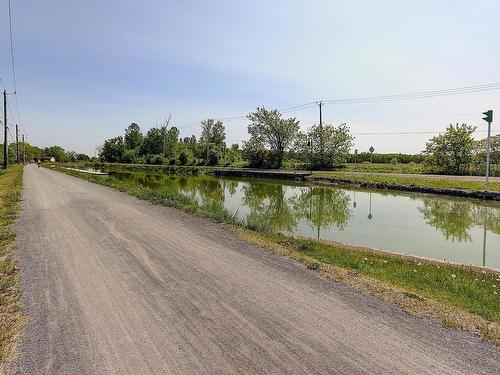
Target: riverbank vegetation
x=461 y=296
x=10 y=310
x=277 y=142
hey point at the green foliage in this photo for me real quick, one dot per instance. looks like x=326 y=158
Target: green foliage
x=268 y=128
x=152 y=143
x=171 y=143
x=453 y=151
x=57 y=152
x=213 y=136
x=385 y=158
x=183 y=158
x=213 y=157
x=133 y=136
x=255 y=152
x=154 y=159
x=130 y=156
x=112 y=150
x=324 y=147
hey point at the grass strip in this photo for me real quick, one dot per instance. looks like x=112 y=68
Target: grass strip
x=465 y=297
x=425 y=182
x=10 y=310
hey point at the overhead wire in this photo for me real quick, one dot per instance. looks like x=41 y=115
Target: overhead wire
x=13 y=63
x=375 y=99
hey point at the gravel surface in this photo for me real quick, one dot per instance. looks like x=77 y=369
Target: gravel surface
x=115 y=285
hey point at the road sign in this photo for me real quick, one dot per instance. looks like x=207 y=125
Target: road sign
x=371 y=149
x=489 y=116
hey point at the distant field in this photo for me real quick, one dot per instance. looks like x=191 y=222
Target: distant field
x=384 y=168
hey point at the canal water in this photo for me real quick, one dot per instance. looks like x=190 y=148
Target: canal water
x=445 y=228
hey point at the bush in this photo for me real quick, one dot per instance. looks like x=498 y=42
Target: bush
x=256 y=157
x=130 y=156
x=171 y=161
x=154 y=159
x=183 y=158
x=394 y=161
x=213 y=157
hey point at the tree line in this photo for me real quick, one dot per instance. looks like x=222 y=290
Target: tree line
x=272 y=139
x=30 y=152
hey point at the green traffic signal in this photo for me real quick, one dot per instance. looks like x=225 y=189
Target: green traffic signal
x=489 y=116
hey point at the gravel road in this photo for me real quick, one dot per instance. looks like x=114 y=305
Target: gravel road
x=115 y=285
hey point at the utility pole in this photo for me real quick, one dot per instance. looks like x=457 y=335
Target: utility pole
x=5 y=153
x=489 y=120
x=321 y=138
x=17 y=144
x=24 y=151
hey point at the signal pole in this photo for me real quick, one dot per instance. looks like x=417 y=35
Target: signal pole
x=5 y=154
x=17 y=144
x=489 y=120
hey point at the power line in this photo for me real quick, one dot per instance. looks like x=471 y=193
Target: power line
x=417 y=95
x=8 y=106
x=376 y=99
x=408 y=133
x=13 y=63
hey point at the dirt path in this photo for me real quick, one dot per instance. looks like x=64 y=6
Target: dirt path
x=114 y=285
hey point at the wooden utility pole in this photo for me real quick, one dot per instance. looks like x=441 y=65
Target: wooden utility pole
x=321 y=135
x=17 y=144
x=24 y=151
x=5 y=153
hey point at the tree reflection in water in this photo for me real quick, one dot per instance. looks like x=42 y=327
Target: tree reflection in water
x=324 y=208
x=278 y=207
x=455 y=218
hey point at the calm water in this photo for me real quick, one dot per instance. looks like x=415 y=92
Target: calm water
x=460 y=230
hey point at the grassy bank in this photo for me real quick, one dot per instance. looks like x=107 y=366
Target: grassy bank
x=10 y=312
x=462 y=297
x=410 y=180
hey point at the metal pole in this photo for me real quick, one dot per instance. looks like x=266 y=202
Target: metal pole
x=5 y=150
x=488 y=146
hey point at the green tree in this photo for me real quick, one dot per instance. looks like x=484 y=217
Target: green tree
x=57 y=152
x=171 y=143
x=453 y=151
x=255 y=153
x=270 y=129
x=153 y=142
x=213 y=135
x=112 y=150
x=325 y=146
x=133 y=136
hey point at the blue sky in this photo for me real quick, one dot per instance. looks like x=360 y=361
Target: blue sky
x=86 y=69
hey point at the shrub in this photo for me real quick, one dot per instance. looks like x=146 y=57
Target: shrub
x=130 y=156
x=171 y=161
x=183 y=158
x=394 y=161
x=154 y=159
x=213 y=158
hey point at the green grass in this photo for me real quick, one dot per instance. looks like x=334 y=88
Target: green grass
x=468 y=289
x=463 y=287
x=428 y=182
x=10 y=311
x=384 y=168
